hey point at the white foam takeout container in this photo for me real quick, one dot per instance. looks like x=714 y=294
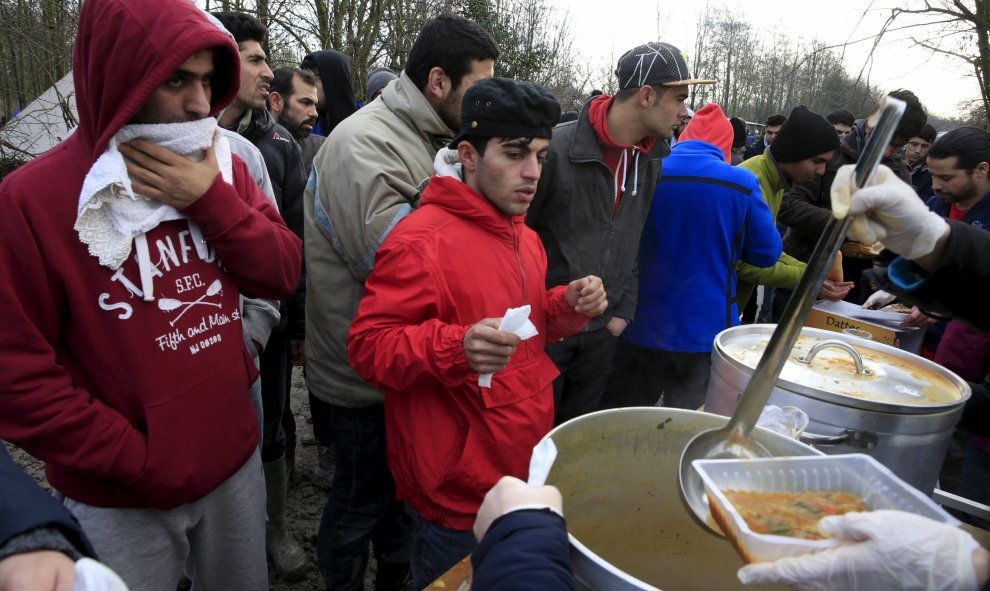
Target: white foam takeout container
x=858 y=474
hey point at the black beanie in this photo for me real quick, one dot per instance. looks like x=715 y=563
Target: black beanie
x=804 y=135
x=738 y=132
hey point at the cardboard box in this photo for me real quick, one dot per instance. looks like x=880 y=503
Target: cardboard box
x=882 y=326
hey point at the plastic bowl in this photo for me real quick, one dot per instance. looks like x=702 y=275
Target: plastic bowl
x=858 y=474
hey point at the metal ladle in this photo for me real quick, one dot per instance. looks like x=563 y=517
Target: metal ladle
x=733 y=440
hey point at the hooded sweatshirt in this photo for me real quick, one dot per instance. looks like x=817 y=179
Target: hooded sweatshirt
x=335 y=76
x=620 y=158
x=455 y=260
x=134 y=398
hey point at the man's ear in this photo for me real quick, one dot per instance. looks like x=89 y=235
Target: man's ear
x=468 y=156
x=437 y=83
x=275 y=103
x=644 y=96
x=982 y=170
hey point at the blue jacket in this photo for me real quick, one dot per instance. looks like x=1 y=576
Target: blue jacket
x=706 y=215
x=523 y=550
x=24 y=507
x=977 y=216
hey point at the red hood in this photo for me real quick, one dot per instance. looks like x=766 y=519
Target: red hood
x=126 y=49
x=597 y=115
x=460 y=199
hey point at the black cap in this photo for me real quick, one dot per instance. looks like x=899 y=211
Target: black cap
x=500 y=107
x=804 y=135
x=654 y=64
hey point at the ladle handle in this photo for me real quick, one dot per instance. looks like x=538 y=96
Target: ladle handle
x=782 y=340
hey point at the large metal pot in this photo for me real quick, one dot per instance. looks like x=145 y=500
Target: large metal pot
x=861 y=396
x=629 y=529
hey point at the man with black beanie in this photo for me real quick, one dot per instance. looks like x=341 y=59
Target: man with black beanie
x=466 y=400
x=806 y=208
x=798 y=155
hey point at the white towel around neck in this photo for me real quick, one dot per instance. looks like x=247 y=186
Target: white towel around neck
x=111 y=215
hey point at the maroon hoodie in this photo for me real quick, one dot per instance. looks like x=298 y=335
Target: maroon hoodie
x=133 y=399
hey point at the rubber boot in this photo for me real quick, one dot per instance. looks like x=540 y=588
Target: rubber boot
x=290 y=461
x=287 y=555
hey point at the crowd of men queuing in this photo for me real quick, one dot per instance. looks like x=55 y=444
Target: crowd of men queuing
x=213 y=223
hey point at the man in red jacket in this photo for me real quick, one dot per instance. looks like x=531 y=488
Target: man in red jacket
x=123 y=252
x=428 y=326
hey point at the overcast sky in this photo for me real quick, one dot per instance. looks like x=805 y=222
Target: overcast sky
x=603 y=29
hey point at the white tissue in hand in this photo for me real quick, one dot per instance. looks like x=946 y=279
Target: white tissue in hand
x=94 y=576
x=516 y=321
x=544 y=455
x=788 y=420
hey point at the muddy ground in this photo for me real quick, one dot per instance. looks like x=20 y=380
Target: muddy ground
x=307 y=494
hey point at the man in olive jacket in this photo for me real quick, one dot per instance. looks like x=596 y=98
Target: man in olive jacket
x=805 y=144
x=591 y=205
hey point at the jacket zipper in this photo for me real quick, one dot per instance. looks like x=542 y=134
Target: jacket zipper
x=612 y=213
x=522 y=273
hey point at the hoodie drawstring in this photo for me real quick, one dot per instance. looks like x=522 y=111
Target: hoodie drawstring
x=623 y=162
x=624 y=167
x=145 y=265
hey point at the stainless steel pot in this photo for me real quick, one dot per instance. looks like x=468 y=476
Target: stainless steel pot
x=861 y=396
x=617 y=471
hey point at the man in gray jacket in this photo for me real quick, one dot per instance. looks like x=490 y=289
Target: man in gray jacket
x=591 y=205
x=367 y=176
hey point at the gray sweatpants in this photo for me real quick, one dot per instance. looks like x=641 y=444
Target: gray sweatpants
x=217 y=541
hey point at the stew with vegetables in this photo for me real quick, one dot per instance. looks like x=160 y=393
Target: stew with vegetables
x=792 y=514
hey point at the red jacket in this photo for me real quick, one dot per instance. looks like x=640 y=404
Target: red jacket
x=453 y=262
x=133 y=403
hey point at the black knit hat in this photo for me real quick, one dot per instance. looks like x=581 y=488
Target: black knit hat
x=654 y=64
x=738 y=132
x=804 y=135
x=500 y=107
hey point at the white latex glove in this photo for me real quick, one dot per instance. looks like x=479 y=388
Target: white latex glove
x=511 y=494
x=895 y=550
x=888 y=211
x=879 y=299
x=447 y=163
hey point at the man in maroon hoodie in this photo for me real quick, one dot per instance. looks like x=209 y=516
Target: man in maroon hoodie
x=592 y=201
x=123 y=251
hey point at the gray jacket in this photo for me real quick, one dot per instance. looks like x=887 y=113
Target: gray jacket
x=258 y=315
x=572 y=213
x=367 y=176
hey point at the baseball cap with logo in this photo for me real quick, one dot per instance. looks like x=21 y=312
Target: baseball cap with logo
x=655 y=64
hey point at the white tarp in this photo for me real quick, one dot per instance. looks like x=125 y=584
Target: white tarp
x=42 y=124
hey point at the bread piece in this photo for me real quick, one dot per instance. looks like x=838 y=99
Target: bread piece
x=835 y=273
